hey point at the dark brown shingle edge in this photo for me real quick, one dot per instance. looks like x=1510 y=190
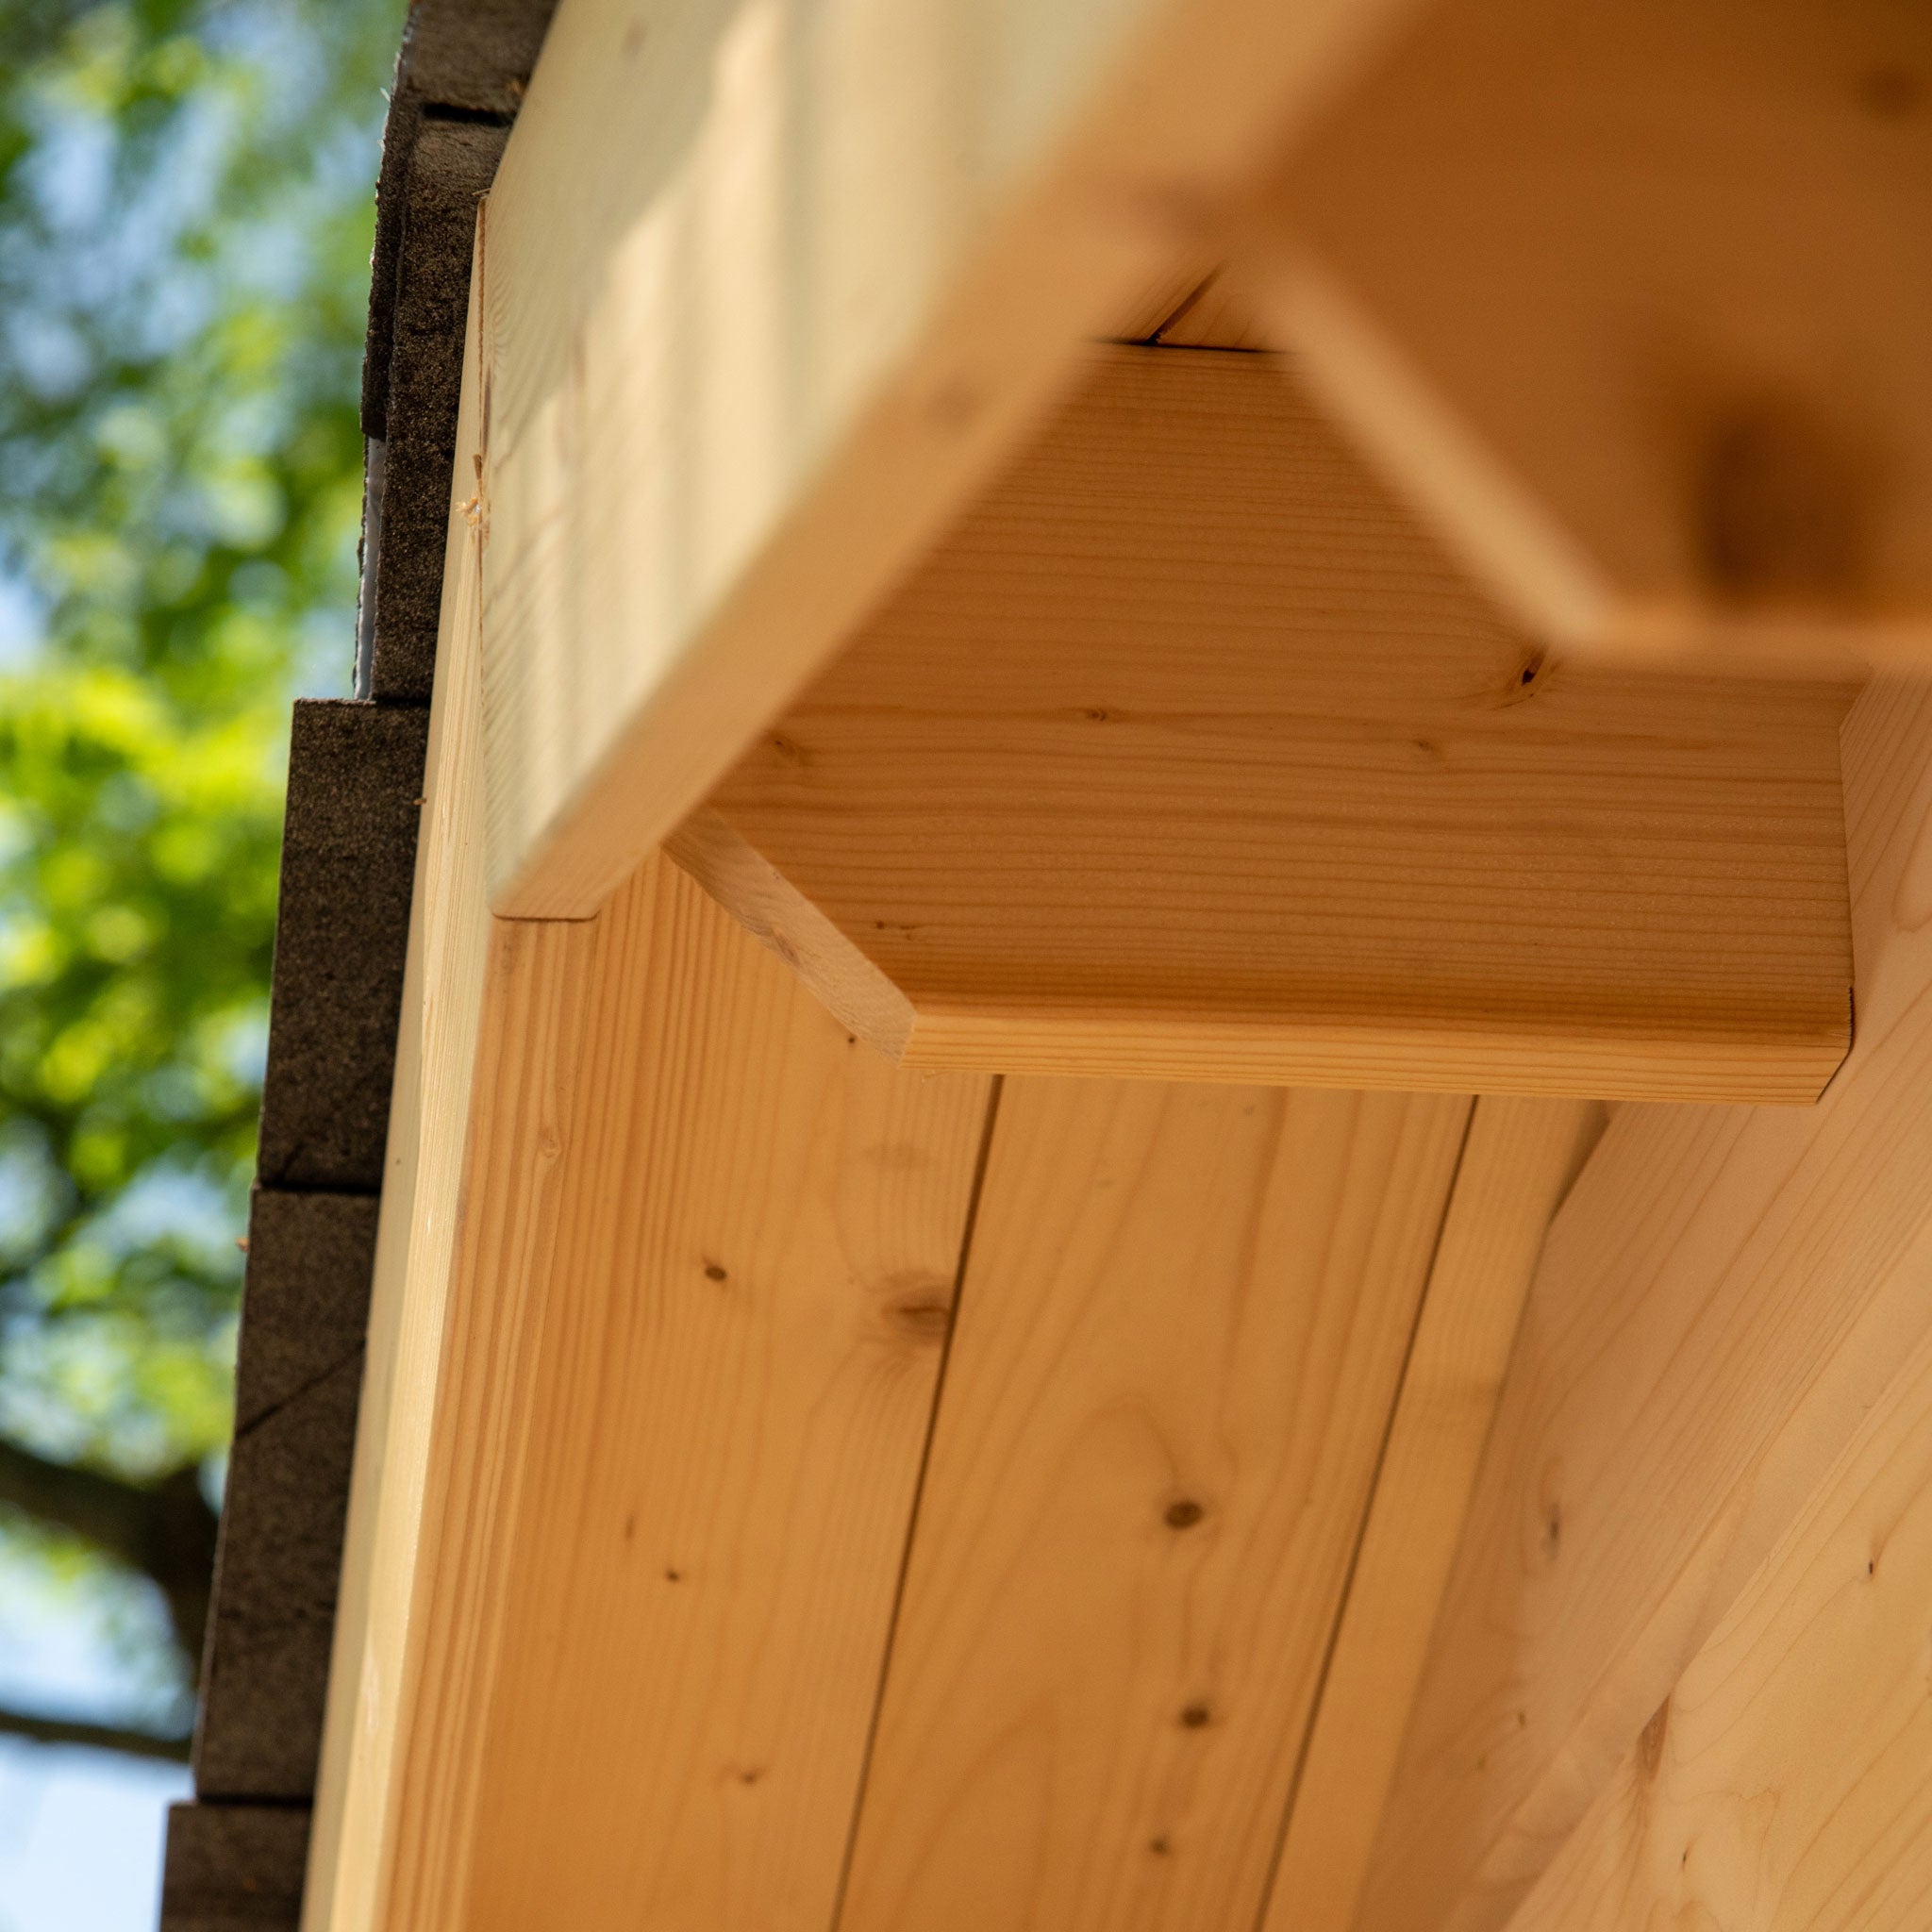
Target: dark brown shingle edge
x=235 y=1856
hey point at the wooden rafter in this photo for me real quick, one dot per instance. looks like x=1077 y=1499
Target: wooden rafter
x=767 y=291
x=1631 y=298
x=467 y=981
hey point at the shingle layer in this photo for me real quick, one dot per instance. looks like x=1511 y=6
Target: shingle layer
x=234 y=1868
x=235 y=1857
x=451 y=164
x=296 y=1386
x=348 y=862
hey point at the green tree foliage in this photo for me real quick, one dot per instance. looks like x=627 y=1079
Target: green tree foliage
x=185 y=219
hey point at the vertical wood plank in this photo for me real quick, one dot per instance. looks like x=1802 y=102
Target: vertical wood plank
x=1520 y=1156
x=1184 y=1317
x=674 y=1534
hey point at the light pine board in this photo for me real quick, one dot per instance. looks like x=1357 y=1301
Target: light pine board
x=1633 y=296
x=1520 y=1158
x=770 y=285
x=1184 y=1315
x=452 y=1554
x=651 y=1660
x=470 y=984
x=1787 y=1781
x=1188 y=754
x=1724 y=1295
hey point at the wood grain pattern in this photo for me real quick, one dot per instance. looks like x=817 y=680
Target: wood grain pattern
x=1518 y=1161
x=1188 y=754
x=472 y=1434
x=1183 y=1318
x=1632 y=299
x=677 y=1449
x=1784 y=1784
x=772 y=285
x=777 y=914
x=1722 y=1299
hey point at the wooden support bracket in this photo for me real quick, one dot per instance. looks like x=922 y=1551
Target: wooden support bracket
x=1186 y=755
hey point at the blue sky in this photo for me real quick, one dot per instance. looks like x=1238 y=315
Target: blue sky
x=80 y=1839
x=80 y=1831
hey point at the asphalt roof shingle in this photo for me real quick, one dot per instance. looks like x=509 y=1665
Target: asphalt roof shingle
x=235 y=1857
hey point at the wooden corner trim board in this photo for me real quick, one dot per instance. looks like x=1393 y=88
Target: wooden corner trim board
x=460 y=966
x=759 y=319
x=1722 y=1299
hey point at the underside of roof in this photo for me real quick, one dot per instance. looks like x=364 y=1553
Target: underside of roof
x=1122 y=540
